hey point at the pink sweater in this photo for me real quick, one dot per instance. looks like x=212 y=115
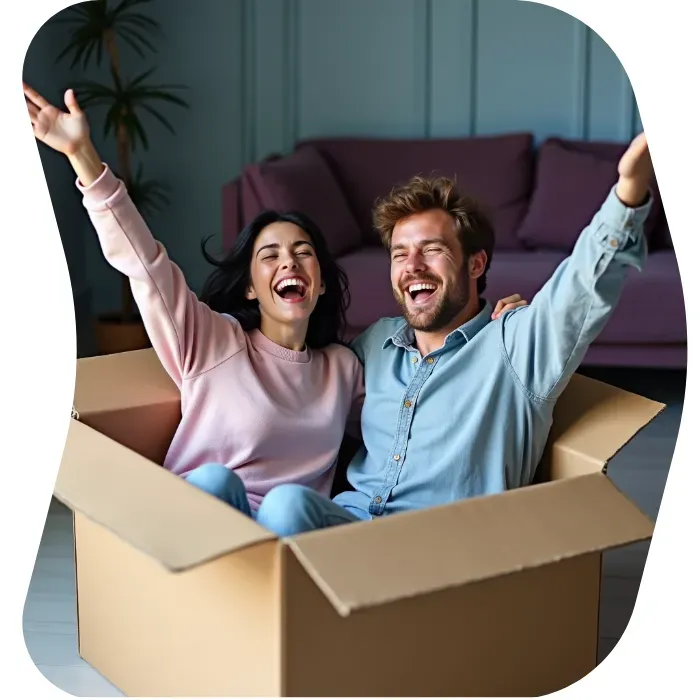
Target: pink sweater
x=274 y=415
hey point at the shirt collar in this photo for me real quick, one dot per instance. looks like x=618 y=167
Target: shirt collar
x=405 y=336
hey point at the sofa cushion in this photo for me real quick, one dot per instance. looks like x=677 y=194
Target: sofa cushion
x=496 y=170
x=651 y=308
x=571 y=183
x=371 y=298
x=520 y=272
x=303 y=181
x=663 y=234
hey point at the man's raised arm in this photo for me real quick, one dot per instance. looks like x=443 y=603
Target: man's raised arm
x=546 y=341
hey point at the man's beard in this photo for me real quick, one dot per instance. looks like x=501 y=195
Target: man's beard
x=442 y=312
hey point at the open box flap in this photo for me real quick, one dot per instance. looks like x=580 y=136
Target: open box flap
x=130 y=398
x=365 y=564
x=109 y=383
x=593 y=421
x=156 y=512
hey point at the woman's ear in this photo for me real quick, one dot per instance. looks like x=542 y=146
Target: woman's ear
x=323 y=287
x=250 y=294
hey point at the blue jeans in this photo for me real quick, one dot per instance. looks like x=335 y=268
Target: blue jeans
x=221 y=482
x=288 y=509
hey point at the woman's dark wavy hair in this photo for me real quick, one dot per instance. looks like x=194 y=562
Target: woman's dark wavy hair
x=226 y=287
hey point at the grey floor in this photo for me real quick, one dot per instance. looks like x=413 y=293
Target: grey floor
x=640 y=471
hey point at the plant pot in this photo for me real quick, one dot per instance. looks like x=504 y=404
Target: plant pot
x=115 y=334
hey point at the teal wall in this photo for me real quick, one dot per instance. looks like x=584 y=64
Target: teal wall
x=264 y=73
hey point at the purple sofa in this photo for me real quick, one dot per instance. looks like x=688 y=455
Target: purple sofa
x=539 y=198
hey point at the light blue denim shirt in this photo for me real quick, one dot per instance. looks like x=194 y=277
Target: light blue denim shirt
x=473 y=417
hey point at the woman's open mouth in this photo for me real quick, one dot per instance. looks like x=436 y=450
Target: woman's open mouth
x=421 y=292
x=292 y=290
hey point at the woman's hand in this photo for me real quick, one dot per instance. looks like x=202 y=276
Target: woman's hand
x=512 y=302
x=65 y=132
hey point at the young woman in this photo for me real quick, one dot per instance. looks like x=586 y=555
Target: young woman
x=267 y=388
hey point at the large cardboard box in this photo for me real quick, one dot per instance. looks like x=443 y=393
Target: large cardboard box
x=180 y=595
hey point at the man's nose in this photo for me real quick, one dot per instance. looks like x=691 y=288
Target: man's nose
x=414 y=261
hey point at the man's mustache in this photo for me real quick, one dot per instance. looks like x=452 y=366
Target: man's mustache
x=408 y=279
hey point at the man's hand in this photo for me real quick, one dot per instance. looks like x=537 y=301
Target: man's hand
x=635 y=172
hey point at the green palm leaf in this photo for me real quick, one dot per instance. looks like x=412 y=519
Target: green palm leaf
x=125 y=5
x=126 y=100
x=131 y=42
x=96 y=29
x=157 y=115
x=143 y=22
x=134 y=38
x=96 y=19
x=148 y=195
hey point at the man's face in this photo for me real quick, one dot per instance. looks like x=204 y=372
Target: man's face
x=429 y=275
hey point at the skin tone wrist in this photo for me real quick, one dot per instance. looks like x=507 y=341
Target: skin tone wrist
x=87 y=163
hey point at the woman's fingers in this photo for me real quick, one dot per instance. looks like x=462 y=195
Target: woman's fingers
x=502 y=303
x=32 y=109
x=508 y=304
x=72 y=102
x=34 y=96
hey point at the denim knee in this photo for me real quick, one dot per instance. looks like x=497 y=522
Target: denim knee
x=219 y=481
x=215 y=479
x=286 y=511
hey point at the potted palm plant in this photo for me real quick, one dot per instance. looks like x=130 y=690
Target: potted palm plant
x=98 y=28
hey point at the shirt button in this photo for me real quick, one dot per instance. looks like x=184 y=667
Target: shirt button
x=407 y=404
x=378 y=499
x=430 y=360
x=414 y=359
x=613 y=242
x=397 y=458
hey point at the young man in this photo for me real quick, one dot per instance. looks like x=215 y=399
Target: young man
x=458 y=405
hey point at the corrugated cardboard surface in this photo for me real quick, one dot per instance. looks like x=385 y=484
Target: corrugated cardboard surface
x=126 y=380
x=130 y=398
x=593 y=421
x=156 y=512
x=212 y=631
x=526 y=634
x=473 y=540
x=496 y=595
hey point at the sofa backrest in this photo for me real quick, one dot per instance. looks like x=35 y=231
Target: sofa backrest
x=496 y=170
x=538 y=198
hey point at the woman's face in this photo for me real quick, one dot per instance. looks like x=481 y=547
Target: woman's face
x=285 y=274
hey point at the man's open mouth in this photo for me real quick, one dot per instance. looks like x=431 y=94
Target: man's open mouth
x=420 y=292
x=291 y=289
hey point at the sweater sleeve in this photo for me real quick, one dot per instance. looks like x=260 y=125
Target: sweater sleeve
x=188 y=337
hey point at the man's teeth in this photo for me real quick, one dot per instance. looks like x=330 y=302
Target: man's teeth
x=292 y=282
x=418 y=287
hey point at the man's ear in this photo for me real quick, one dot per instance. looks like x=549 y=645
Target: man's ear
x=477 y=264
